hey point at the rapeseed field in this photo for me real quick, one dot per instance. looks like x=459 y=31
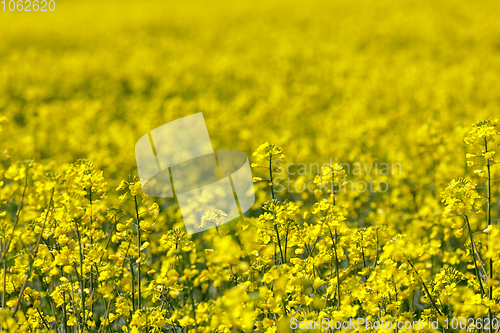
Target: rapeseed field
x=371 y=128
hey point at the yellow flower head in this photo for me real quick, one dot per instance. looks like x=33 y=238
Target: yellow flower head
x=483 y=131
x=332 y=178
x=267 y=150
x=458 y=197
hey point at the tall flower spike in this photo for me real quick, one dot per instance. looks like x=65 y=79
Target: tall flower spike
x=266 y=150
x=332 y=178
x=481 y=131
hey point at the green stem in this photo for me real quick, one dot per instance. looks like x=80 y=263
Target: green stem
x=4 y=284
x=274 y=217
x=138 y=255
x=32 y=259
x=474 y=255
x=425 y=287
x=72 y=295
x=335 y=244
x=132 y=285
x=274 y=224
x=65 y=320
x=91 y=285
x=7 y=246
x=194 y=308
x=18 y=213
x=334 y=239
x=40 y=314
x=82 y=279
x=488 y=220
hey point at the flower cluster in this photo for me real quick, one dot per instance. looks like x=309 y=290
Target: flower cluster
x=459 y=197
x=79 y=257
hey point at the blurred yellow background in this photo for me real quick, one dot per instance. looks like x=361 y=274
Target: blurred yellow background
x=319 y=78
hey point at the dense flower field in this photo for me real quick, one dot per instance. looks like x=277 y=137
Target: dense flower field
x=371 y=127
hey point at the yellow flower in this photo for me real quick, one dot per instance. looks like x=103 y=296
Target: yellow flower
x=267 y=151
x=484 y=131
x=458 y=197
